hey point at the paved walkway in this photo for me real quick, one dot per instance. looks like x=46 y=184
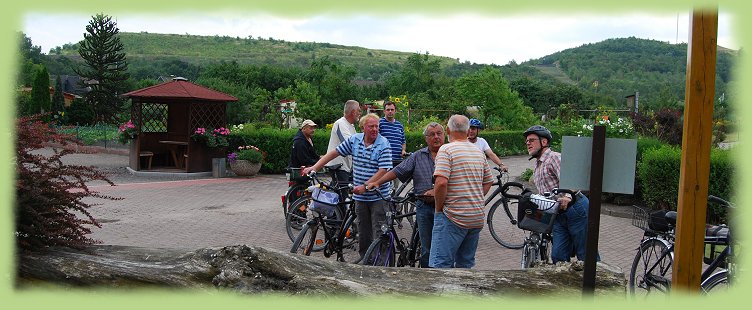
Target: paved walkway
x=209 y=212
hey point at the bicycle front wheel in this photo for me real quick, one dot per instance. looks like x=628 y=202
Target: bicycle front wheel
x=651 y=269
x=503 y=227
x=718 y=282
x=529 y=255
x=381 y=252
x=306 y=241
x=300 y=213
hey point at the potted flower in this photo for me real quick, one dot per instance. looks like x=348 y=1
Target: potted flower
x=246 y=160
x=212 y=137
x=127 y=132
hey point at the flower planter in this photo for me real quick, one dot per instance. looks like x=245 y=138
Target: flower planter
x=244 y=168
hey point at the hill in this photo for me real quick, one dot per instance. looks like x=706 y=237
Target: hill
x=144 y=49
x=594 y=74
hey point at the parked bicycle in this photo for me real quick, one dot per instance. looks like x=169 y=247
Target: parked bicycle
x=503 y=227
x=334 y=234
x=651 y=271
x=388 y=249
x=297 y=185
x=536 y=217
x=299 y=198
x=403 y=190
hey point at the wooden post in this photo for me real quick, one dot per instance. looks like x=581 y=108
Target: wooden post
x=695 y=158
x=594 y=211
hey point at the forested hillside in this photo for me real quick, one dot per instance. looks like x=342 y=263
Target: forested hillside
x=593 y=75
x=615 y=68
x=190 y=51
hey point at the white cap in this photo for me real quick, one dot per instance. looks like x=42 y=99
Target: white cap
x=307 y=122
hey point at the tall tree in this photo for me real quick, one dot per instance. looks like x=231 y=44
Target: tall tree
x=40 y=93
x=105 y=68
x=490 y=92
x=58 y=100
x=30 y=60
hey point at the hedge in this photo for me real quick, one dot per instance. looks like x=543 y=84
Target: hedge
x=658 y=173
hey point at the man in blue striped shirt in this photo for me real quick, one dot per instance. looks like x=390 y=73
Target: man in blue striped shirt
x=392 y=130
x=371 y=160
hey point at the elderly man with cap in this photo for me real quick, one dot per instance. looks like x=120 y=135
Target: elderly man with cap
x=303 y=154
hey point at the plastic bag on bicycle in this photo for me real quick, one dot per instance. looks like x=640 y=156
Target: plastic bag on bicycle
x=324 y=202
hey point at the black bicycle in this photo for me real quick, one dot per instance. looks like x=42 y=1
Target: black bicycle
x=536 y=217
x=651 y=271
x=503 y=227
x=297 y=212
x=388 y=250
x=340 y=233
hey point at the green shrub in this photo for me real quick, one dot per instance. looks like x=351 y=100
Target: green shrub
x=658 y=175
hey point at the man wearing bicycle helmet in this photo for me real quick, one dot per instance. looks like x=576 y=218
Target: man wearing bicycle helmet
x=482 y=144
x=570 y=228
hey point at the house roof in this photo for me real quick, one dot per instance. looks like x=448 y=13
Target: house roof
x=180 y=89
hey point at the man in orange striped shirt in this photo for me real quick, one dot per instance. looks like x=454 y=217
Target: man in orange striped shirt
x=463 y=177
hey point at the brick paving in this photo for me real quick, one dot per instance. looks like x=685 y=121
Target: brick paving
x=215 y=212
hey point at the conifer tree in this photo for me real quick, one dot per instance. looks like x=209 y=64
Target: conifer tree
x=105 y=68
x=58 y=100
x=40 y=93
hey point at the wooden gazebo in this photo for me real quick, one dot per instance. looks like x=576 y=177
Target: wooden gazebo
x=166 y=115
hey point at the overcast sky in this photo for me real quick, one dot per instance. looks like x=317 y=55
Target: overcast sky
x=467 y=36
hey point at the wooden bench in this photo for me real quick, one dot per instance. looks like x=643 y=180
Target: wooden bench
x=149 y=156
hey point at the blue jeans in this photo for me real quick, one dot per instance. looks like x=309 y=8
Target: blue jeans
x=570 y=232
x=424 y=220
x=452 y=246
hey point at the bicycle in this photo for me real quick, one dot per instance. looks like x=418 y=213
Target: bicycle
x=299 y=199
x=340 y=232
x=297 y=184
x=537 y=214
x=388 y=250
x=503 y=228
x=403 y=190
x=651 y=270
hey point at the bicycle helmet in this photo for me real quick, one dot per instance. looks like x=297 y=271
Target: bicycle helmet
x=540 y=131
x=474 y=122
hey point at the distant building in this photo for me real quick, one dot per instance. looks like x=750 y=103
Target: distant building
x=67 y=97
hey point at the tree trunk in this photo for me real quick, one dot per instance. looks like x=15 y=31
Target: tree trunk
x=258 y=270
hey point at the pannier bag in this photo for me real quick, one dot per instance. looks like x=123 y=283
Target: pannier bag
x=324 y=202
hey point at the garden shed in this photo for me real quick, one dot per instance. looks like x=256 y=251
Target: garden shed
x=165 y=116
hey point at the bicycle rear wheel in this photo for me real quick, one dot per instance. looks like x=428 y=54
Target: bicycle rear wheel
x=500 y=224
x=718 y=282
x=651 y=269
x=306 y=241
x=381 y=252
x=414 y=250
x=350 y=241
x=292 y=194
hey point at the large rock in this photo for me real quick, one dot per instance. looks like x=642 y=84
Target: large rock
x=258 y=270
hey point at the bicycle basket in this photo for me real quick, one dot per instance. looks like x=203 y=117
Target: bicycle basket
x=536 y=213
x=293 y=174
x=324 y=202
x=640 y=218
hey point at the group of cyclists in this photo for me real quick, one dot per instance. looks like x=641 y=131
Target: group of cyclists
x=371 y=159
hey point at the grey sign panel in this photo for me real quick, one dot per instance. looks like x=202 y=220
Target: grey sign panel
x=618 y=164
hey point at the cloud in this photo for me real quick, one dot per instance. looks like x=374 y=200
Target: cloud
x=466 y=36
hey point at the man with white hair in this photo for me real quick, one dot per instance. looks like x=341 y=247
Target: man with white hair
x=342 y=129
x=463 y=177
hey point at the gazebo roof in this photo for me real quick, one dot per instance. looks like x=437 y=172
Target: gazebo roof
x=180 y=89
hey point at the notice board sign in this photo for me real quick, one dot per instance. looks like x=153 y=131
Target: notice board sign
x=619 y=164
